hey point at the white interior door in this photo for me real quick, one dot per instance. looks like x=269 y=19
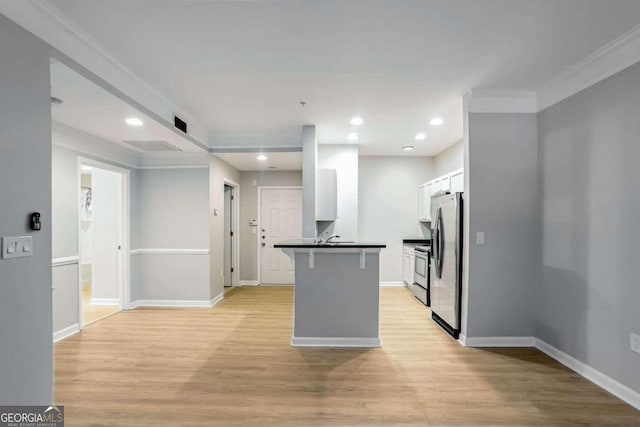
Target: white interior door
x=280 y=219
x=107 y=226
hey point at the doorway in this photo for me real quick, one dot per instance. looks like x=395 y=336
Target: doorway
x=102 y=240
x=231 y=248
x=280 y=218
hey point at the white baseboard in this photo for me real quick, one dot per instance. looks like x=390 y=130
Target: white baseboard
x=215 y=300
x=177 y=303
x=497 y=341
x=249 y=283
x=66 y=332
x=614 y=387
x=104 y=301
x=391 y=284
x=335 y=342
x=600 y=379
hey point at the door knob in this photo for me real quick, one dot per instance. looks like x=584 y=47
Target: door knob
x=264 y=244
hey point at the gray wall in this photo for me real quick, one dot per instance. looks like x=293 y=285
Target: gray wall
x=587 y=303
x=218 y=171
x=450 y=159
x=309 y=165
x=170 y=211
x=26 y=358
x=503 y=201
x=249 y=211
x=388 y=202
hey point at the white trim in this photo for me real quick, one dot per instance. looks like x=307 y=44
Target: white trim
x=462 y=339
x=610 y=59
x=604 y=381
x=392 y=284
x=249 y=283
x=499 y=341
x=69 y=260
x=167 y=251
x=66 y=332
x=174 y=166
x=501 y=101
x=335 y=342
x=177 y=303
x=235 y=227
x=104 y=301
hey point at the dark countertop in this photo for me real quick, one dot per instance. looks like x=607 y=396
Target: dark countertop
x=417 y=241
x=307 y=243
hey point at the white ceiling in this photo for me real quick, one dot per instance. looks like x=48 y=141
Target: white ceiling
x=241 y=67
x=93 y=110
x=282 y=161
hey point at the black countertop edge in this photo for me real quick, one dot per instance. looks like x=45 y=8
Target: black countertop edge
x=417 y=241
x=330 y=246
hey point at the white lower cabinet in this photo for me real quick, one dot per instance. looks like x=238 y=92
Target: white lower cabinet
x=408 y=265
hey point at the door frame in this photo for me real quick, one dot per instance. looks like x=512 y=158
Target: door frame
x=260 y=188
x=124 y=275
x=235 y=227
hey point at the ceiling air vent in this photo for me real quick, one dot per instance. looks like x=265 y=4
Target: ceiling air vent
x=152 y=146
x=180 y=124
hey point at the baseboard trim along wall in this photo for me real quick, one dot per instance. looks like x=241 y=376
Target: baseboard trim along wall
x=602 y=380
x=249 y=283
x=105 y=301
x=165 y=251
x=391 y=284
x=178 y=303
x=66 y=332
x=334 y=342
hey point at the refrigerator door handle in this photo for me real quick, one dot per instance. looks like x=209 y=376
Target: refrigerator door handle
x=434 y=241
x=440 y=227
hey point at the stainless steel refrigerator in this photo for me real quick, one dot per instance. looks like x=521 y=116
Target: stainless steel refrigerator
x=446 y=260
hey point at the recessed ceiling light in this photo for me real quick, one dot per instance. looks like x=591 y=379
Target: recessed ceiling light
x=353 y=136
x=420 y=136
x=408 y=148
x=356 y=121
x=262 y=157
x=134 y=121
x=436 y=121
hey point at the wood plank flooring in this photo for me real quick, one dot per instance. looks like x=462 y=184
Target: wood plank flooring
x=91 y=312
x=233 y=366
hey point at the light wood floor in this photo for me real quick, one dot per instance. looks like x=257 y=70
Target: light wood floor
x=91 y=312
x=232 y=366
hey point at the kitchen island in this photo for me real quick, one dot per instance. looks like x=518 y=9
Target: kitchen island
x=337 y=293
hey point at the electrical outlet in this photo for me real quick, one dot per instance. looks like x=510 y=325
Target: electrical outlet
x=635 y=342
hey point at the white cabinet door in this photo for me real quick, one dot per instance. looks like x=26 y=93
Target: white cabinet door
x=445 y=183
x=412 y=266
x=457 y=181
x=436 y=185
x=406 y=267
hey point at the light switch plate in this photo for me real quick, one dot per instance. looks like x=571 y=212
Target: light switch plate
x=635 y=342
x=480 y=238
x=17 y=247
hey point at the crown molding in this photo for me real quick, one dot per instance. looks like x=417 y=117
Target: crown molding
x=610 y=59
x=500 y=101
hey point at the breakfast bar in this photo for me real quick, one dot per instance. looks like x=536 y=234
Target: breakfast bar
x=337 y=293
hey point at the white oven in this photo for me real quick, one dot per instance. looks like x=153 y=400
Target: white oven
x=421 y=274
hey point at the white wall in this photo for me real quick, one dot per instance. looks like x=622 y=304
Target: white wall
x=26 y=368
x=249 y=211
x=450 y=159
x=344 y=159
x=218 y=171
x=388 y=206
x=169 y=212
x=86 y=229
x=587 y=301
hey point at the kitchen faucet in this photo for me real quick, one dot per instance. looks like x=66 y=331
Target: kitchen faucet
x=322 y=239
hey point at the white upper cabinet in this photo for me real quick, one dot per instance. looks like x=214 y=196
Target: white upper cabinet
x=457 y=181
x=453 y=182
x=326 y=195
